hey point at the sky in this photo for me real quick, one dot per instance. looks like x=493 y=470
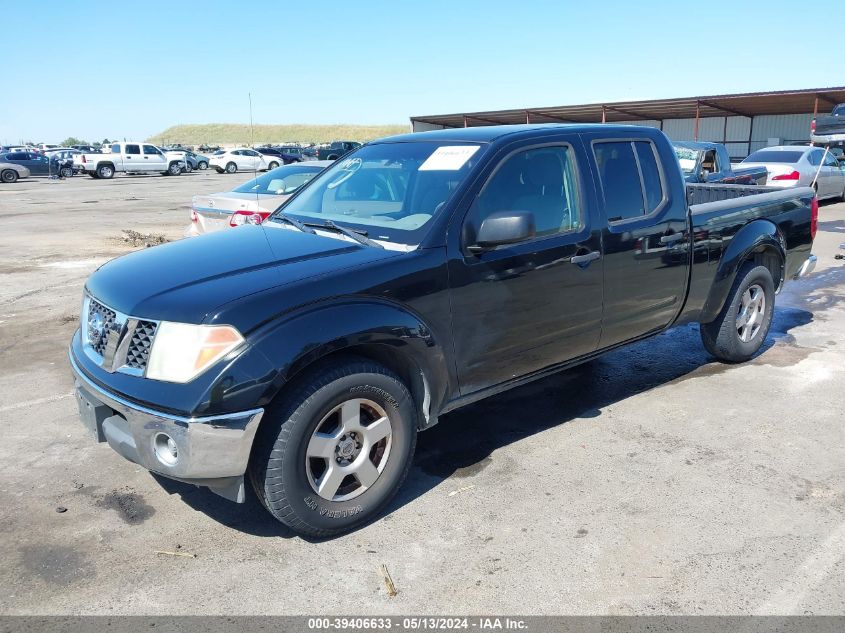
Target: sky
x=132 y=69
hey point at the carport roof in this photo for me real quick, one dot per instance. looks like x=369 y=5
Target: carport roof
x=745 y=104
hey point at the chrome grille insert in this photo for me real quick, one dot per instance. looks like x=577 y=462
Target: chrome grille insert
x=115 y=341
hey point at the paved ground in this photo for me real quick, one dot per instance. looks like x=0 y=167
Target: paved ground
x=651 y=481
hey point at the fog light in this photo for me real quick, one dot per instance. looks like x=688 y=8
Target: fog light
x=166 y=449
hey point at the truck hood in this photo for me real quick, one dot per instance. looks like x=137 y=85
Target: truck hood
x=185 y=281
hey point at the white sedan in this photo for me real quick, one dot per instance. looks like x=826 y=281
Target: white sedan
x=801 y=166
x=242 y=159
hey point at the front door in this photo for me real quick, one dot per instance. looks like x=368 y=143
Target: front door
x=520 y=308
x=646 y=256
x=153 y=159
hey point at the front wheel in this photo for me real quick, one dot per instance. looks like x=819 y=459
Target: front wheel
x=336 y=449
x=743 y=324
x=174 y=169
x=8 y=176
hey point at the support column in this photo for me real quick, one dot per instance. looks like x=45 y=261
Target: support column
x=603 y=114
x=697 y=117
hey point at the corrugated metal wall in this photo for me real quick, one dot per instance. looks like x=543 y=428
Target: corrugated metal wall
x=784 y=128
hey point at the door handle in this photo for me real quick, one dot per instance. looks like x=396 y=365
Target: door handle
x=674 y=237
x=586 y=258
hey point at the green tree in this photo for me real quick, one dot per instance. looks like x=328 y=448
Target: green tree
x=72 y=140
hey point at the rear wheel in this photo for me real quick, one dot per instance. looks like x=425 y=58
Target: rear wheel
x=8 y=176
x=66 y=172
x=231 y=168
x=202 y=165
x=105 y=171
x=743 y=324
x=336 y=449
x=272 y=165
x=188 y=169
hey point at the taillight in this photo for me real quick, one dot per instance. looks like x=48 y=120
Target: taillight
x=84 y=160
x=194 y=217
x=814 y=217
x=242 y=216
x=813 y=126
x=790 y=176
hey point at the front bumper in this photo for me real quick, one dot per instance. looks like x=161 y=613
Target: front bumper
x=210 y=451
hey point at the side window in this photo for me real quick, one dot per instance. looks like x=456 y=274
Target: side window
x=831 y=160
x=542 y=181
x=150 y=150
x=133 y=149
x=115 y=149
x=815 y=158
x=630 y=178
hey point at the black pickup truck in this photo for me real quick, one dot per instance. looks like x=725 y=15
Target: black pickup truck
x=418 y=274
x=829 y=129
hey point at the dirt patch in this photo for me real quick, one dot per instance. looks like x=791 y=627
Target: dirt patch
x=134 y=238
x=131 y=506
x=56 y=564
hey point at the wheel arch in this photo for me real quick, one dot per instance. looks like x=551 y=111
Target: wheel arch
x=759 y=242
x=378 y=331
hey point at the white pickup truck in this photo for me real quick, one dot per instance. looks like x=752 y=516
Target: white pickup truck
x=131 y=158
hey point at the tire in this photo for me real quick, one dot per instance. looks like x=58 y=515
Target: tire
x=66 y=172
x=272 y=165
x=231 y=168
x=105 y=172
x=202 y=165
x=743 y=324
x=173 y=169
x=188 y=169
x=285 y=473
x=8 y=176
x=332 y=157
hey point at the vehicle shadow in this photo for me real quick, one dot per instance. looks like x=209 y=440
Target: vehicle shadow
x=463 y=443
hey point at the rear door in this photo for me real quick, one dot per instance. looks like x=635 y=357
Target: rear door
x=132 y=158
x=835 y=175
x=521 y=308
x=646 y=257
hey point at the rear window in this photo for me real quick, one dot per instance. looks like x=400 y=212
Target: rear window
x=630 y=178
x=279 y=181
x=839 y=110
x=774 y=156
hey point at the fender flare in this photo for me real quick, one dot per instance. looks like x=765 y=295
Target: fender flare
x=369 y=327
x=755 y=237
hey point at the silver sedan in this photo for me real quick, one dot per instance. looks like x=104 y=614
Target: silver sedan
x=801 y=166
x=253 y=201
x=10 y=172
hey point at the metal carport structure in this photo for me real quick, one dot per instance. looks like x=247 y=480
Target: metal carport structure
x=748 y=105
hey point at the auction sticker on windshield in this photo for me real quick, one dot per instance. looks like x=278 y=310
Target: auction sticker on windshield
x=448 y=158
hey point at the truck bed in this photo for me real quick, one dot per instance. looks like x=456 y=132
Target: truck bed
x=704 y=193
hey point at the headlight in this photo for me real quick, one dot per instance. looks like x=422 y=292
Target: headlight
x=181 y=351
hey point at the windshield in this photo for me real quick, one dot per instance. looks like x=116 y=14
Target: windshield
x=774 y=156
x=280 y=181
x=388 y=191
x=687 y=158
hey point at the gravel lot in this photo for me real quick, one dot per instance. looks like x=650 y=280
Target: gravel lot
x=653 y=480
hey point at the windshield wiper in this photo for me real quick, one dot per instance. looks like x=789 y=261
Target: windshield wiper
x=281 y=217
x=358 y=236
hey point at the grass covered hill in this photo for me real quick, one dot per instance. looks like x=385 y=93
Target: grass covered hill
x=240 y=134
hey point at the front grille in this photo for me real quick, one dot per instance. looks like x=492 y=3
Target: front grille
x=138 y=352
x=129 y=352
x=108 y=315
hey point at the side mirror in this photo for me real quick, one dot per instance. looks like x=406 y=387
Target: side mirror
x=504 y=227
x=704 y=174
